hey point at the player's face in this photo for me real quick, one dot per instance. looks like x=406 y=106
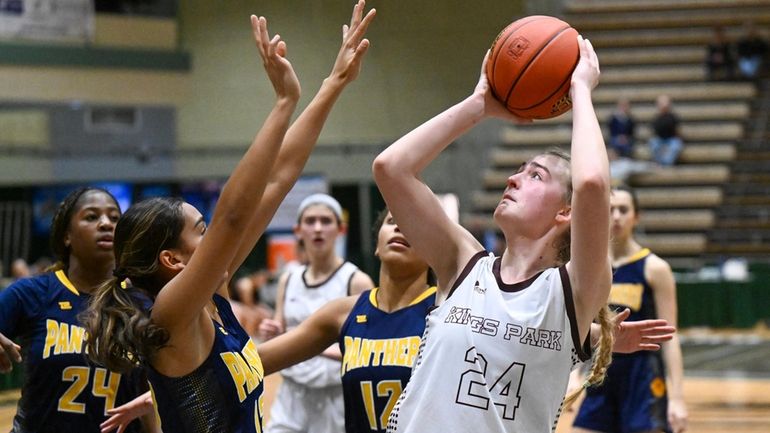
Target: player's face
x=92 y=226
x=623 y=217
x=192 y=233
x=394 y=249
x=535 y=194
x=318 y=229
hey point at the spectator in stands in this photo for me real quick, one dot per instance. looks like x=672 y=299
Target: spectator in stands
x=621 y=125
x=666 y=143
x=720 y=63
x=751 y=49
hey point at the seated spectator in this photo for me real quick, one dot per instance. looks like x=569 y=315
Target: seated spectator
x=751 y=52
x=720 y=63
x=665 y=143
x=621 y=125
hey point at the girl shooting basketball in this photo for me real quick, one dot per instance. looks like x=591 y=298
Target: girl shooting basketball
x=497 y=352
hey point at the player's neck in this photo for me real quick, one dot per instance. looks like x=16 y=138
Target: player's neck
x=521 y=262
x=87 y=278
x=620 y=251
x=398 y=291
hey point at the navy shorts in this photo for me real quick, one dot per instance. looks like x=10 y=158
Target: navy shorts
x=631 y=399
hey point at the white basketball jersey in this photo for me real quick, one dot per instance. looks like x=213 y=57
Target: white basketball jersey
x=494 y=357
x=300 y=301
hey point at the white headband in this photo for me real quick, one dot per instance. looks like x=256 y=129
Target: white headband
x=323 y=199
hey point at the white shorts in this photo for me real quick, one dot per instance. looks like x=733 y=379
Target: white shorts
x=300 y=409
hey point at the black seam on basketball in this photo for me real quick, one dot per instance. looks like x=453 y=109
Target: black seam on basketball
x=524 y=69
x=497 y=40
x=568 y=77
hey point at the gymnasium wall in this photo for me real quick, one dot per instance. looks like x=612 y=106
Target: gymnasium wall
x=424 y=57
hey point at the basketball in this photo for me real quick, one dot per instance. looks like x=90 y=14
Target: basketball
x=530 y=66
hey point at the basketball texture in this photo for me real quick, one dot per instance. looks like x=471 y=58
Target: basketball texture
x=530 y=66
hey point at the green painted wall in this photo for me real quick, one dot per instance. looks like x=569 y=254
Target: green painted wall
x=425 y=55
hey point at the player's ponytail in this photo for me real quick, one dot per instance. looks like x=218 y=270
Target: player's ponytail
x=601 y=359
x=123 y=334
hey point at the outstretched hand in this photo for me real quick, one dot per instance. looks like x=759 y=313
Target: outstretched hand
x=639 y=335
x=354 y=45
x=273 y=53
x=586 y=72
x=9 y=353
x=121 y=416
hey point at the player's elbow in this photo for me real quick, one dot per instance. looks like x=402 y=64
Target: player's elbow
x=384 y=169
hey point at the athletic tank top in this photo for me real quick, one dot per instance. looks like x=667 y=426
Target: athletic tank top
x=378 y=351
x=300 y=301
x=62 y=391
x=630 y=288
x=222 y=395
x=494 y=357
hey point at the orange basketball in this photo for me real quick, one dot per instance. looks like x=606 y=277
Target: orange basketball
x=531 y=64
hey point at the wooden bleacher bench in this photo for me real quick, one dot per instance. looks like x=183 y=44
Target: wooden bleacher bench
x=562 y=135
x=593 y=7
x=711 y=174
x=674 y=243
x=717 y=91
x=688 y=36
x=658 y=74
x=644 y=112
x=696 y=153
x=677 y=220
x=670 y=19
x=651 y=56
x=679 y=197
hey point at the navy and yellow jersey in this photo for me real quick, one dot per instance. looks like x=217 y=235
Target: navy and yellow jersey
x=630 y=288
x=62 y=391
x=224 y=394
x=633 y=395
x=378 y=350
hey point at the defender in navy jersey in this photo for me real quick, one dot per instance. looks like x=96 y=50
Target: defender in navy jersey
x=62 y=391
x=378 y=352
x=642 y=391
x=189 y=340
x=226 y=388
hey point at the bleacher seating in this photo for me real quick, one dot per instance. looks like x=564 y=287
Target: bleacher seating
x=648 y=48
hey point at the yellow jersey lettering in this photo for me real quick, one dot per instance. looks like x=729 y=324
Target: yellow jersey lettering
x=378 y=352
x=245 y=368
x=386 y=352
x=352 y=349
x=63 y=342
x=414 y=347
x=62 y=338
x=628 y=295
x=391 y=347
x=52 y=330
